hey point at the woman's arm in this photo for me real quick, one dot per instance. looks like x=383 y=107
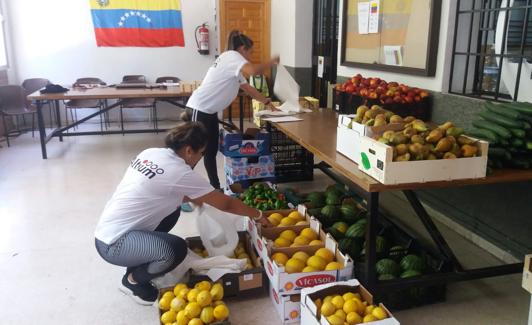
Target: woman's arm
x=228 y=204
x=250 y=90
x=252 y=69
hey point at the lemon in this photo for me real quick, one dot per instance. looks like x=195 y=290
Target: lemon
x=192 y=295
x=178 y=287
x=369 y=318
x=195 y=321
x=277 y=217
x=164 y=303
x=309 y=233
x=302 y=223
x=296 y=216
x=338 y=301
x=183 y=293
x=327 y=308
x=192 y=310
x=288 y=234
x=203 y=285
x=353 y=318
x=350 y=306
x=207 y=315
x=316 y=242
x=341 y=314
x=357 y=295
x=309 y=269
x=379 y=313
x=335 y=320
x=334 y=266
x=182 y=318
x=361 y=307
x=317 y=262
x=281 y=242
x=242 y=256
x=301 y=256
x=301 y=240
x=369 y=309
x=280 y=258
x=168 y=317
x=218 y=303
x=169 y=294
x=204 y=298
x=217 y=291
x=294 y=265
x=326 y=254
x=286 y=221
x=327 y=298
x=221 y=312
x=178 y=304
x=348 y=296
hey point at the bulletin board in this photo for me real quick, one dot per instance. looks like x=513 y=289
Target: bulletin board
x=405 y=39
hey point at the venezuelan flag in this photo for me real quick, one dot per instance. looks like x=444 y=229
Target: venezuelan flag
x=143 y=23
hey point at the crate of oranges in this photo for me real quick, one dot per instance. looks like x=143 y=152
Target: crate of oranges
x=342 y=303
x=198 y=305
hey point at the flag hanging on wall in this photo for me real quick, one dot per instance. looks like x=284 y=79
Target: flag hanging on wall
x=142 y=23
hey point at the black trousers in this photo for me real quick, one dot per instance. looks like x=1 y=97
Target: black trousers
x=210 y=121
x=147 y=254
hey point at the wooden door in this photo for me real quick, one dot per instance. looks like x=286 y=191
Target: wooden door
x=251 y=17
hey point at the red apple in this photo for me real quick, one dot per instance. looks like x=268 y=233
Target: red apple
x=388 y=101
x=404 y=89
x=393 y=84
x=409 y=99
x=380 y=90
x=373 y=95
x=363 y=92
x=397 y=99
x=350 y=88
x=417 y=99
x=411 y=94
x=423 y=94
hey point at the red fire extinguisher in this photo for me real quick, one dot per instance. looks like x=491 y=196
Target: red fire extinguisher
x=202 y=39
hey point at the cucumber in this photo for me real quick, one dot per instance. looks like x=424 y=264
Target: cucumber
x=487 y=135
x=525 y=108
x=502 y=120
x=499 y=153
x=503 y=109
x=517 y=143
x=518 y=133
x=499 y=130
x=529 y=145
x=527 y=125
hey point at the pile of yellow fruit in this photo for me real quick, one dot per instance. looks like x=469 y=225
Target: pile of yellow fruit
x=322 y=260
x=349 y=308
x=193 y=306
x=289 y=238
x=240 y=253
x=293 y=218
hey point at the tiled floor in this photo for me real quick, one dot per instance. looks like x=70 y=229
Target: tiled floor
x=50 y=272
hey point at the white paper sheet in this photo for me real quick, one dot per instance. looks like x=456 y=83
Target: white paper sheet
x=283 y=119
x=363 y=17
x=374 y=11
x=321 y=66
x=392 y=55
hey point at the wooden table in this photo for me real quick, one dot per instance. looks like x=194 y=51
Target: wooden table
x=317 y=133
x=167 y=94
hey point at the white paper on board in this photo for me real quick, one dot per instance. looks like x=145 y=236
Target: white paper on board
x=374 y=11
x=363 y=17
x=393 y=55
x=321 y=64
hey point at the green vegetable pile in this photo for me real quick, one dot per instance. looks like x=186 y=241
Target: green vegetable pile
x=262 y=197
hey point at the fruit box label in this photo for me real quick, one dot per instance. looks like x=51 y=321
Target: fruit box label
x=238 y=169
x=234 y=144
x=288 y=308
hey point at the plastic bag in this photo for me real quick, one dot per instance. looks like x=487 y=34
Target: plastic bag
x=217 y=230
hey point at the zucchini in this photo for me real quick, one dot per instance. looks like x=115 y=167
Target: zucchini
x=499 y=130
x=529 y=145
x=527 y=125
x=525 y=108
x=499 y=153
x=503 y=109
x=502 y=120
x=517 y=143
x=518 y=133
x=487 y=135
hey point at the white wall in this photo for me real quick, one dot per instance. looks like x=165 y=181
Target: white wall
x=436 y=83
x=303 y=36
x=55 y=39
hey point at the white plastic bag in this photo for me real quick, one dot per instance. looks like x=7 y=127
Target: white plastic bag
x=217 y=230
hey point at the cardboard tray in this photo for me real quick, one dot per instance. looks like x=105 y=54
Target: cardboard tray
x=288 y=307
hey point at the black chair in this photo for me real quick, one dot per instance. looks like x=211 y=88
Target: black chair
x=13 y=103
x=74 y=104
x=32 y=85
x=138 y=102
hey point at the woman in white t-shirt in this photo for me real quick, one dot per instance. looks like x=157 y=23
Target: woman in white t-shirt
x=133 y=228
x=218 y=90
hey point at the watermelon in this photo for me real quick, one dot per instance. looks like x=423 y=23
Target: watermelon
x=358 y=230
x=314 y=212
x=384 y=277
x=350 y=246
x=316 y=199
x=332 y=199
x=412 y=262
x=337 y=189
x=410 y=273
x=340 y=226
x=397 y=252
x=387 y=266
x=349 y=213
x=335 y=233
x=350 y=201
x=329 y=215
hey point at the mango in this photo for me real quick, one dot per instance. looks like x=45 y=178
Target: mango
x=401 y=149
x=409 y=132
x=383 y=140
x=449 y=155
x=409 y=119
x=361 y=110
x=388 y=115
x=398 y=138
x=376 y=108
x=405 y=157
x=431 y=156
x=380 y=121
x=444 y=145
x=388 y=135
x=396 y=119
x=464 y=140
x=454 y=131
x=468 y=150
x=370 y=122
x=434 y=136
x=419 y=125
x=417 y=139
x=445 y=126
x=456 y=150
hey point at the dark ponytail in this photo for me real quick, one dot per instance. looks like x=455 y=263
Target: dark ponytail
x=191 y=134
x=236 y=39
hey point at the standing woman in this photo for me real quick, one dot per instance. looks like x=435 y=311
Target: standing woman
x=218 y=90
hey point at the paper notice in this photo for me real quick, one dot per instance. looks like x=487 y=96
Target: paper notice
x=374 y=10
x=321 y=64
x=363 y=17
x=392 y=55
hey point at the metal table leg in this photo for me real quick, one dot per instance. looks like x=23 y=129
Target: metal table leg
x=371 y=234
x=241 y=117
x=58 y=118
x=42 y=131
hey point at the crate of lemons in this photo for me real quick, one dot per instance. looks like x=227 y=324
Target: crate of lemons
x=349 y=308
x=239 y=253
x=199 y=305
x=322 y=260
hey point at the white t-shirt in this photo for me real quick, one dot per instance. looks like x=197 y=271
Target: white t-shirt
x=220 y=86
x=153 y=187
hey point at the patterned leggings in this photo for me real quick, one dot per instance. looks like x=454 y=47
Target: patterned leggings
x=146 y=254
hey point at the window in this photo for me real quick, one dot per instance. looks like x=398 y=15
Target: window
x=492 y=50
x=3 y=55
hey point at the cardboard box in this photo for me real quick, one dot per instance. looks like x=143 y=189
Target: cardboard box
x=309 y=310
x=527 y=274
x=348 y=139
x=239 y=169
x=257 y=107
x=288 y=307
x=288 y=284
x=377 y=162
x=314 y=103
x=252 y=143
x=163 y=290
x=234 y=283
